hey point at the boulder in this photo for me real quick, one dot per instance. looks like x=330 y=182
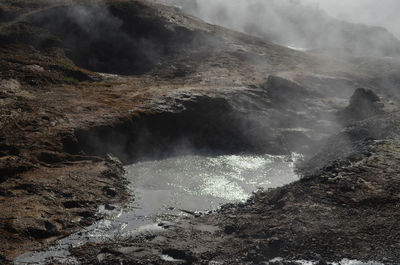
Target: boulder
x=363 y=104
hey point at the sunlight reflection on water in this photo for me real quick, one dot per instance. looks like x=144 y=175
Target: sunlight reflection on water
x=216 y=180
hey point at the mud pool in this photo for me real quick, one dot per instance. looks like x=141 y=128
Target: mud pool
x=200 y=183
x=166 y=189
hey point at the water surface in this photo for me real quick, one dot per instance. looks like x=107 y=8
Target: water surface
x=201 y=183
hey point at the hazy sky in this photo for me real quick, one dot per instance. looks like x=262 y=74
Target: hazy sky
x=374 y=12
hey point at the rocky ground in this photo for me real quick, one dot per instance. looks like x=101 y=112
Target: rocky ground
x=65 y=106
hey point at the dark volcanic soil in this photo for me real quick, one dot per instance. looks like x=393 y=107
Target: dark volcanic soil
x=220 y=91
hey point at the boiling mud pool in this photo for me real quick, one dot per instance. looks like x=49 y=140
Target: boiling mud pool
x=199 y=183
x=164 y=189
x=168 y=188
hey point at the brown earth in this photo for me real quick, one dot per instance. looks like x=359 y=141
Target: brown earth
x=60 y=118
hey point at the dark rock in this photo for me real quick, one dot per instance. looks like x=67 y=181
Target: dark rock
x=109 y=207
x=73 y=204
x=364 y=103
x=110 y=192
x=70 y=144
x=113 y=159
x=150 y=237
x=9 y=227
x=110 y=251
x=27 y=187
x=50 y=227
x=86 y=214
x=230 y=229
x=3 y=259
x=38 y=233
x=67 y=194
x=362 y=95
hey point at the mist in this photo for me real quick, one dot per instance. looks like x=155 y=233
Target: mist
x=308 y=24
x=382 y=13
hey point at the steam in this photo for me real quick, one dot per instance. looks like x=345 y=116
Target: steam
x=102 y=41
x=307 y=24
x=124 y=42
x=382 y=13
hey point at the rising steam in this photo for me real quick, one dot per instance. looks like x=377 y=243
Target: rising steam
x=308 y=24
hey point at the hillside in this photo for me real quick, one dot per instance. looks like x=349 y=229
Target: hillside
x=295 y=24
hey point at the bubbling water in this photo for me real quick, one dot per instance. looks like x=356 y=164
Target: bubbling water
x=202 y=182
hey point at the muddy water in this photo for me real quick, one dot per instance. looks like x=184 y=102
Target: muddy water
x=168 y=188
x=199 y=183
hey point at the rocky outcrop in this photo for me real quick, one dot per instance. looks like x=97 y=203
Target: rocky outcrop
x=364 y=103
